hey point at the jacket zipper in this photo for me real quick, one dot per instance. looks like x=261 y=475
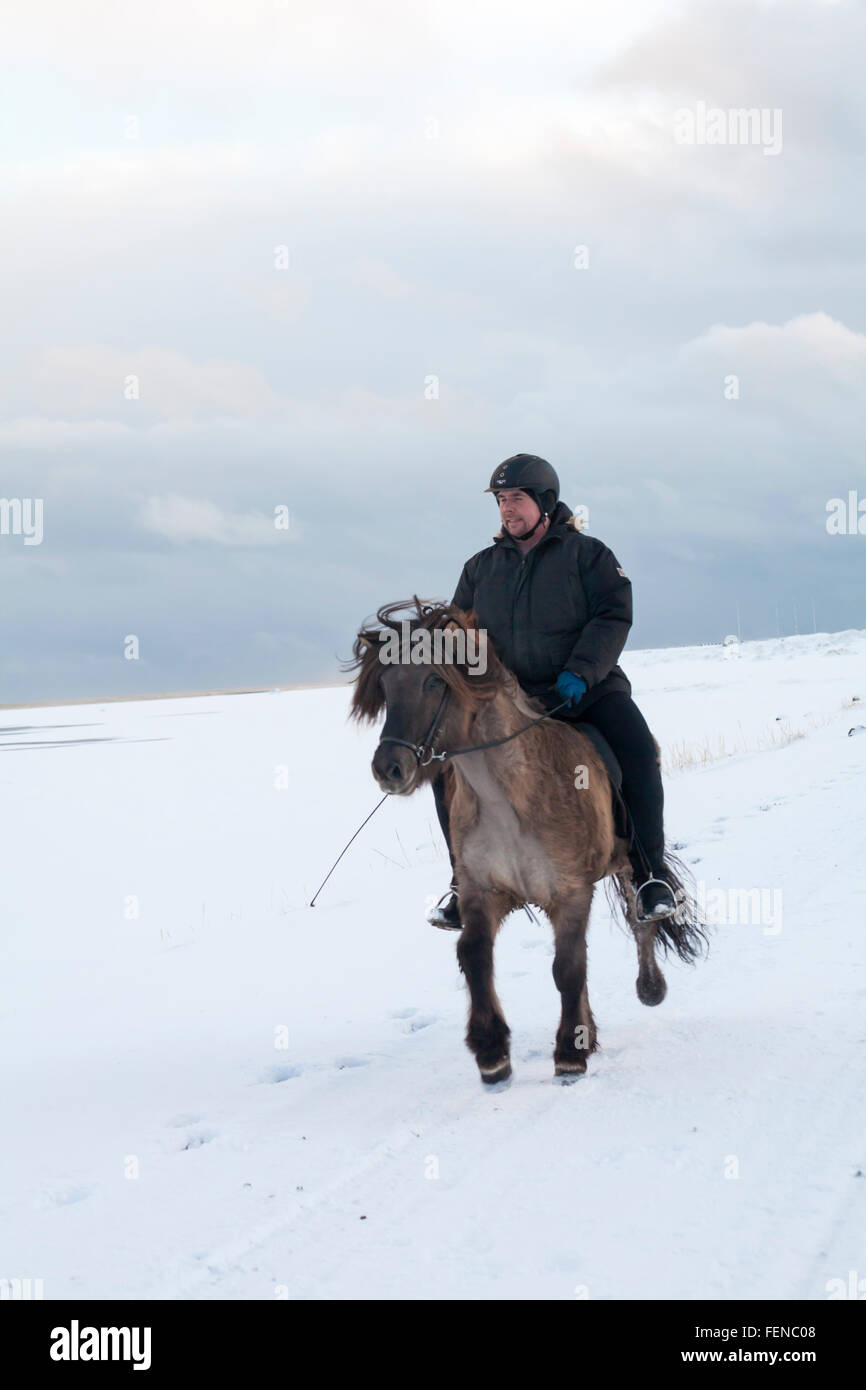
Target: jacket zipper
x=521 y=577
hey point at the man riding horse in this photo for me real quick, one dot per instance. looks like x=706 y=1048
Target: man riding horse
x=557 y=608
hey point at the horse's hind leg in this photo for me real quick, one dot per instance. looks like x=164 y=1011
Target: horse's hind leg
x=487 y=1033
x=650 y=982
x=576 y=1036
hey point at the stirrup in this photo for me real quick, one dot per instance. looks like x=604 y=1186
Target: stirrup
x=436 y=917
x=662 y=909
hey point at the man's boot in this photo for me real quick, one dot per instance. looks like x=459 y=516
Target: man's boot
x=654 y=896
x=654 y=900
x=448 y=916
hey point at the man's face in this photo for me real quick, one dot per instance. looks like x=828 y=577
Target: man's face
x=517 y=511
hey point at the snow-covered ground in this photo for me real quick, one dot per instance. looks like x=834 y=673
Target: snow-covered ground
x=211 y=1090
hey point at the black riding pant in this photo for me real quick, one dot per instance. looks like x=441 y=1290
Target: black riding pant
x=618 y=718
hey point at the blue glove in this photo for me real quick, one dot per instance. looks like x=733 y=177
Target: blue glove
x=571 y=687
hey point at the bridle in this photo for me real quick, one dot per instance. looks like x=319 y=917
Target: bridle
x=426 y=744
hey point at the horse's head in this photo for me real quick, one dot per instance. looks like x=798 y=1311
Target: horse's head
x=429 y=672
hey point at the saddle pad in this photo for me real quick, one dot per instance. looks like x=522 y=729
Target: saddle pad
x=608 y=757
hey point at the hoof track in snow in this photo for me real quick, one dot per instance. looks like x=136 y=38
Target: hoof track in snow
x=274 y=1075
x=539 y=943
x=415 y=1025
x=341 y=1063
x=66 y=1196
x=197 y=1141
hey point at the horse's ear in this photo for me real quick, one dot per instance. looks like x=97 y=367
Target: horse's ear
x=365 y=637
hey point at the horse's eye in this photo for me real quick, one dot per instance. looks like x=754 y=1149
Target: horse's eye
x=433 y=682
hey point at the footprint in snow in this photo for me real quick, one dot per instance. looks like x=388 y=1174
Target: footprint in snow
x=341 y=1063
x=402 y=1013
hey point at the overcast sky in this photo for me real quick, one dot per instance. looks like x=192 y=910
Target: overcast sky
x=323 y=257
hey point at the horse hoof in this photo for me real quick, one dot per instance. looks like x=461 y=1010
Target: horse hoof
x=651 y=989
x=574 y=1068
x=500 y=1071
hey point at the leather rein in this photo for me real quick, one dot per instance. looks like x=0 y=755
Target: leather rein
x=426 y=745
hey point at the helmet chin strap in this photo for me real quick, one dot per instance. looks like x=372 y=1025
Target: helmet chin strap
x=527 y=534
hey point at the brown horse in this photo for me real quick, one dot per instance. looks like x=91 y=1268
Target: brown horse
x=524 y=827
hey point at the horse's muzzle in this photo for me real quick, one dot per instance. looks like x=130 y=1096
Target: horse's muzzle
x=395 y=768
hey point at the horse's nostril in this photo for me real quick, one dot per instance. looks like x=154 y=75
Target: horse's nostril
x=395 y=772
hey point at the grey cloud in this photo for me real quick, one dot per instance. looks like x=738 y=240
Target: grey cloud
x=412 y=257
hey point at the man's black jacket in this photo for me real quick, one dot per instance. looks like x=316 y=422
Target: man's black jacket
x=564 y=606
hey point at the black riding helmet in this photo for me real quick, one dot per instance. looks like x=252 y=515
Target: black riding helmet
x=531 y=474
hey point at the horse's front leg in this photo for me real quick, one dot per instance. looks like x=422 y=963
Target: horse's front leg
x=576 y=1036
x=487 y=1033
